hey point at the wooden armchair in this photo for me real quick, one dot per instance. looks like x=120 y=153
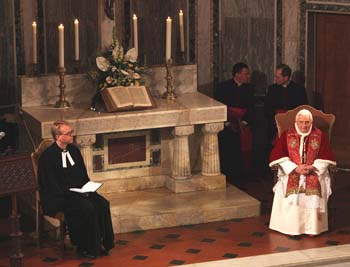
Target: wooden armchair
x=322 y=121
x=57 y=222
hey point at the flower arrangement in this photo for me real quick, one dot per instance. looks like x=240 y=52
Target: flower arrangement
x=114 y=68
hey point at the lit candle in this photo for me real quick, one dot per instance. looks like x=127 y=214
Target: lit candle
x=61 y=46
x=182 y=38
x=168 y=39
x=35 y=52
x=76 y=39
x=136 y=45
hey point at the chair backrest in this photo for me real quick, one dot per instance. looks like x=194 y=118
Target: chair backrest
x=323 y=121
x=36 y=154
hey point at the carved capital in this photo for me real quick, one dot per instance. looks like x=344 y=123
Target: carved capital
x=183 y=130
x=213 y=127
x=85 y=140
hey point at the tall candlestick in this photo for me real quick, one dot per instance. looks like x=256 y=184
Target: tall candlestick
x=182 y=38
x=168 y=39
x=61 y=46
x=35 y=52
x=76 y=39
x=136 y=42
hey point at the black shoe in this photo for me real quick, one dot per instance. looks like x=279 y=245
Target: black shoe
x=104 y=252
x=85 y=254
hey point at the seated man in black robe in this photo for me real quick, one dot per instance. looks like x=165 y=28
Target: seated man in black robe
x=235 y=141
x=88 y=218
x=281 y=96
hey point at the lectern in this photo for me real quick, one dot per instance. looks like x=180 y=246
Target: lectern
x=16 y=176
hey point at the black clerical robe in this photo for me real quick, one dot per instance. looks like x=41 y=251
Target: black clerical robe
x=235 y=142
x=87 y=216
x=280 y=99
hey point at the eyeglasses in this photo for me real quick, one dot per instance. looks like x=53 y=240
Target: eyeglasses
x=70 y=133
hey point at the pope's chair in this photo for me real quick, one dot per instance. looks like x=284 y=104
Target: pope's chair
x=322 y=121
x=57 y=222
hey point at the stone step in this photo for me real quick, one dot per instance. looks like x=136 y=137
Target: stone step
x=160 y=208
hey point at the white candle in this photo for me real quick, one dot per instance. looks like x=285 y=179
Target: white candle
x=182 y=38
x=35 y=51
x=136 y=42
x=76 y=39
x=61 y=46
x=168 y=39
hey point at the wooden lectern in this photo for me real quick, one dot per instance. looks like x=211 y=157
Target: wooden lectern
x=16 y=176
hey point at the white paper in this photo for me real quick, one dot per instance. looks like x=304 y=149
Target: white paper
x=88 y=187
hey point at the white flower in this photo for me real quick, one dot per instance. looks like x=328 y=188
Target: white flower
x=102 y=63
x=124 y=72
x=109 y=79
x=131 y=55
x=114 y=69
x=136 y=76
x=118 y=52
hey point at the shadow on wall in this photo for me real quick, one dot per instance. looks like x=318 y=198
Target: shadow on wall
x=259 y=79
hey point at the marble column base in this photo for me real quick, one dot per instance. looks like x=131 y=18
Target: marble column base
x=197 y=182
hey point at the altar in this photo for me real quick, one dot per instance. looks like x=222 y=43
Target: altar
x=159 y=167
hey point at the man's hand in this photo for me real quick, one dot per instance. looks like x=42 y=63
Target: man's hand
x=305 y=169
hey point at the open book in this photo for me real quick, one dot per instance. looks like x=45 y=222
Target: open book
x=126 y=98
x=88 y=187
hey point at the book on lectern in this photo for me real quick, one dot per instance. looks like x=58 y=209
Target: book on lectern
x=127 y=98
x=87 y=188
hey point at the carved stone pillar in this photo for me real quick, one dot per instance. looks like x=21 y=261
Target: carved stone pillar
x=181 y=167
x=85 y=142
x=210 y=149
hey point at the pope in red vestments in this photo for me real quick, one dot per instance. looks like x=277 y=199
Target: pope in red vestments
x=303 y=156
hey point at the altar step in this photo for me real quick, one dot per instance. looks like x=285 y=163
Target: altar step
x=160 y=208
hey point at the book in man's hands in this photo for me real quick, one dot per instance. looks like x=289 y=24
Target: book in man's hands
x=127 y=98
x=88 y=187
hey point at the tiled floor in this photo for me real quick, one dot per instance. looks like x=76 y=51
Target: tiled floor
x=198 y=243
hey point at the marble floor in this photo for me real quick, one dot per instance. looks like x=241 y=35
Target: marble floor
x=232 y=239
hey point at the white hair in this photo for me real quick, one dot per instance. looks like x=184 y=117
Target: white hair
x=304 y=112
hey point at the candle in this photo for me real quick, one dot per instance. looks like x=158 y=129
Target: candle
x=61 y=46
x=182 y=38
x=168 y=39
x=35 y=52
x=134 y=18
x=76 y=39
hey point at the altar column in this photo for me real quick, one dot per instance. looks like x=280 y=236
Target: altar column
x=210 y=149
x=85 y=142
x=181 y=167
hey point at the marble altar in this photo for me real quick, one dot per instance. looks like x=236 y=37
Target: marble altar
x=178 y=181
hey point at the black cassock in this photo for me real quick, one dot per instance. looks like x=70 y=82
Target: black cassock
x=87 y=216
x=241 y=97
x=280 y=99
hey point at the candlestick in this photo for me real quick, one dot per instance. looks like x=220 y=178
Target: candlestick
x=61 y=46
x=62 y=102
x=169 y=94
x=76 y=40
x=136 y=44
x=182 y=38
x=168 y=39
x=34 y=43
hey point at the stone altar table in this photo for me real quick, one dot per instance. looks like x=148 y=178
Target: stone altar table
x=181 y=155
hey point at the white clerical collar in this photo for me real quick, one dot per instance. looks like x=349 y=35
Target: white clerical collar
x=302 y=138
x=65 y=155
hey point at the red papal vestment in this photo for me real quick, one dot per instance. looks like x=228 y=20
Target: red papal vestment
x=300 y=201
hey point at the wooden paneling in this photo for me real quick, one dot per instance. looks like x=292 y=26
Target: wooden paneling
x=65 y=11
x=7 y=46
x=333 y=69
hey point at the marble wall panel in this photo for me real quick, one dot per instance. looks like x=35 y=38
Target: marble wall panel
x=43 y=90
x=248 y=36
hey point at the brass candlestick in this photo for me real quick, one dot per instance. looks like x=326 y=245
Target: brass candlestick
x=62 y=102
x=35 y=69
x=76 y=66
x=169 y=94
